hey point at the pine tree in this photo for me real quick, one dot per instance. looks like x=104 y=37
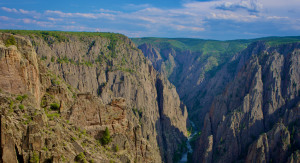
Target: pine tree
x=106 y=137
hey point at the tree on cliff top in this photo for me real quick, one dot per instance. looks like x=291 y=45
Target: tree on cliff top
x=106 y=137
x=10 y=41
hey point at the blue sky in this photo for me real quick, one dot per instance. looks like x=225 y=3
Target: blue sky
x=206 y=19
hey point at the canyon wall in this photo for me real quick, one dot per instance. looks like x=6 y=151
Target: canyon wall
x=84 y=75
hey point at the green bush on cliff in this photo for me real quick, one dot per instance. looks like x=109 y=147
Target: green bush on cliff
x=21 y=107
x=35 y=158
x=81 y=157
x=10 y=41
x=106 y=137
x=19 y=98
x=117 y=148
x=54 y=106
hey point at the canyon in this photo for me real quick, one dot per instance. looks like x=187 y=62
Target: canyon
x=248 y=103
x=158 y=99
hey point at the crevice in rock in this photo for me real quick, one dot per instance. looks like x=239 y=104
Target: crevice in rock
x=100 y=118
x=19 y=157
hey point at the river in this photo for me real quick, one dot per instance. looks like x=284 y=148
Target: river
x=188 y=145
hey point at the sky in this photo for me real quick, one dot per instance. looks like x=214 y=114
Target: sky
x=204 y=19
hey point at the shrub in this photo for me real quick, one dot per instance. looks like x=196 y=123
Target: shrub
x=35 y=158
x=81 y=157
x=10 y=41
x=45 y=149
x=24 y=96
x=51 y=116
x=20 y=98
x=21 y=107
x=106 y=137
x=73 y=138
x=54 y=106
x=117 y=148
x=11 y=104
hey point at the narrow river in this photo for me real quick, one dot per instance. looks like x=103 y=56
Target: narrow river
x=190 y=150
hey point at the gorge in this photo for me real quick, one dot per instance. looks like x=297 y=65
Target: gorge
x=162 y=100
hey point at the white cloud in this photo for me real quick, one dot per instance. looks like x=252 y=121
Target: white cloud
x=54 y=19
x=134 y=6
x=4 y=18
x=85 y=15
x=277 y=17
x=106 y=10
x=250 y=6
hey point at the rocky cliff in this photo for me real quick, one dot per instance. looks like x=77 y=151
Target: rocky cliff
x=190 y=64
x=83 y=74
x=201 y=69
x=255 y=118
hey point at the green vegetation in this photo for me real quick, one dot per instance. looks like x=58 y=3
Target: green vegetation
x=45 y=149
x=11 y=104
x=62 y=36
x=28 y=119
x=63 y=60
x=106 y=137
x=35 y=158
x=21 y=98
x=74 y=139
x=51 y=116
x=63 y=158
x=54 y=106
x=10 y=41
x=215 y=53
x=117 y=148
x=190 y=131
x=21 y=107
x=81 y=157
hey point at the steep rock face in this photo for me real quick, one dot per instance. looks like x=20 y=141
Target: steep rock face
x=153 y=55
x=90 y=64
x=265 y=88
x=41 y=131
x=19 y=75
x=196 y=82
